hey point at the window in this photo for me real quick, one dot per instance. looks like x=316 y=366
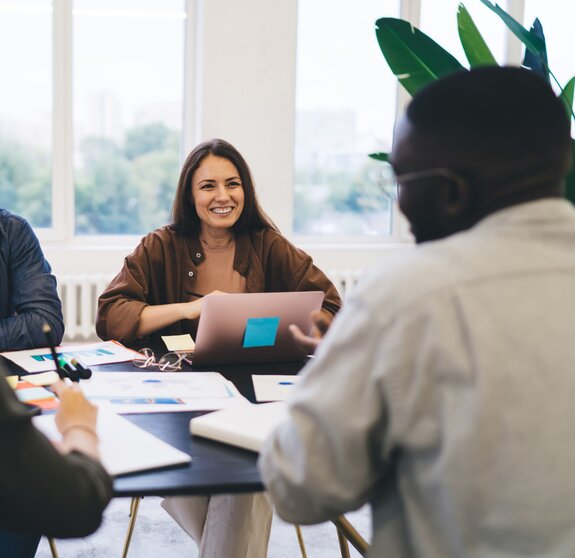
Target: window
x=128 y=98
x=26 y=109
x=121 y=90
x=345 y=109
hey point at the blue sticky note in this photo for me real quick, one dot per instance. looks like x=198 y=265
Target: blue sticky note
x=261 y=332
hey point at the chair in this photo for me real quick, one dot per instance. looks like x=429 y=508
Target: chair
x=53 y=549
x=347 y=532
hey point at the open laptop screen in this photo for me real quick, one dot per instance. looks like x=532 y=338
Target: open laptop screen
x=253 y=327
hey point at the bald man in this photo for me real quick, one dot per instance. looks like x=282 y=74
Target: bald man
x=443 y=393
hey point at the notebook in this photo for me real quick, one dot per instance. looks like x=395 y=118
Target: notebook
x=246 y=427
x=253 y=327
x=124 y=447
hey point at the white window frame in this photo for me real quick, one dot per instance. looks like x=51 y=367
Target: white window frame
x=239 y=84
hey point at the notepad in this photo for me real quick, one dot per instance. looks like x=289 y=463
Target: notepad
x=124 y=447
x=245 y=426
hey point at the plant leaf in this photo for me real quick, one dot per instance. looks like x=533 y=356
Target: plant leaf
x=475 y=47
x=380 y=156
x=570 y=178
x=534 y=62
x=567 y=96
x=414 y=58
x=528 y=38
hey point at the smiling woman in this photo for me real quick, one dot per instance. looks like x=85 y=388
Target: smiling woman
x=219 y=240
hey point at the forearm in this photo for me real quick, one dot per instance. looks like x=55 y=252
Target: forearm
x=154 y=318
x=24 y=331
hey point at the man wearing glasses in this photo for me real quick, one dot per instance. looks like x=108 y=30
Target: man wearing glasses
x=443 y=393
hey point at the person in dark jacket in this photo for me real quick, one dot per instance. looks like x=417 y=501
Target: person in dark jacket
x=47 y=490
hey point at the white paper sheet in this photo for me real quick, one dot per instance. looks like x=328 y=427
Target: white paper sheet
x=273 y=387
x=160 y=392
x=90 y=354
x=124 y=447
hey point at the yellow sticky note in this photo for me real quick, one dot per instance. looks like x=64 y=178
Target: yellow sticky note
x=181 y=343
x=12 y=381
x=42 y=379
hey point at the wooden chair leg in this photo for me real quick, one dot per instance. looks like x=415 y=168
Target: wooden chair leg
x=53 y=549
x=134 y=506
x=343 y=546
x=346 y=529
x=300 y=541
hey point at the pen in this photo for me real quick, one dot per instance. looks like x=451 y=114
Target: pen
x=197 y=295
x=70 y=370
x=83 y=371
x=285 y=383
x=48 y=334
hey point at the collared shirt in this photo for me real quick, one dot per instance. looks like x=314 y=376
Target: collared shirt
x=28 y=296
x=164 y=267
x=444 y=396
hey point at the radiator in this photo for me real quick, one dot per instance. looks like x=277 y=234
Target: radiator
x=344 y=280
x=79 y=296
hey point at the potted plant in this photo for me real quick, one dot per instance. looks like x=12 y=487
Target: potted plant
x=417 y=60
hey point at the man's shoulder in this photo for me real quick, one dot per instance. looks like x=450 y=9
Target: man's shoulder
x=412 y=271
x=9 y=219
x=14 y=227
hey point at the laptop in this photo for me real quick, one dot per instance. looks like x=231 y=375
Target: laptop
x=253 y=327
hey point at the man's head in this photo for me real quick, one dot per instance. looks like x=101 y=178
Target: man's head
x=486 y=139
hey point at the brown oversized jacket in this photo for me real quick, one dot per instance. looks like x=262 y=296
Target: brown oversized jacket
x=165 y=266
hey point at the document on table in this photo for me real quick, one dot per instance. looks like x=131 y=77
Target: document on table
x=124 y=447
x=273 y=387
x=160 y=392
x=91 y=354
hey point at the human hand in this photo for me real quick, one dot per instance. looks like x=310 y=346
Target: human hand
x=74 y=408
x=320 y=324
x=193 y=309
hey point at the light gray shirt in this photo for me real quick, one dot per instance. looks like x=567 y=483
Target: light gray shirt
x=444 y=395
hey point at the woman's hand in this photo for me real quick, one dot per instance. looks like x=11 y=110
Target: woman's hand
x=193 y=309
x=76 y=419
x=320 y=324
x=155 y=317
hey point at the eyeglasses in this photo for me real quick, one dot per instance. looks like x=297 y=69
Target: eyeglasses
x=169 y=362
x=393 y=182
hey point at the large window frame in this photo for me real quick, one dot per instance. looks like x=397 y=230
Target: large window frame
x=248 y=48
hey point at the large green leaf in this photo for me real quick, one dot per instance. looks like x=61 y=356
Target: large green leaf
x=567 y=96
x=475 y=47
x=413 y=57
x=570 y=179
x=537 y=62
x=380 y=156
x=528 y=38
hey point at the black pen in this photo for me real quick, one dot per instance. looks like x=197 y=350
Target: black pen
x=197 y=295
x=70 y=370
x=82 y=370
x=48 y=334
